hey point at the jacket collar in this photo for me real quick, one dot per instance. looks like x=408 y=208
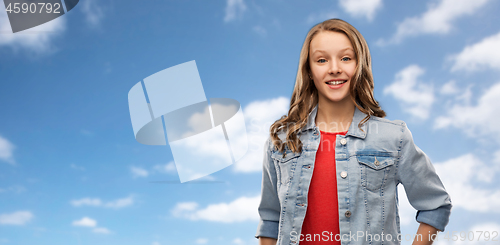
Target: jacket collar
x=353 y=128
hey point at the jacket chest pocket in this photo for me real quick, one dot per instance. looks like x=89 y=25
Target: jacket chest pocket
x=285 y=165
x=375 y=170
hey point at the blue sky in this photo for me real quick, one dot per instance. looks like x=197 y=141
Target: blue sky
x=71 y=171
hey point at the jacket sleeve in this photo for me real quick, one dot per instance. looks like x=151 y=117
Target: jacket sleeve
x=269 y=207
x=424 y=189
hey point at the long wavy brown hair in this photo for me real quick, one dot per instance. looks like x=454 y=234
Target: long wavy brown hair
x=305 y=94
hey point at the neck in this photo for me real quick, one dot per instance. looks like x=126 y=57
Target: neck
x=334 y=116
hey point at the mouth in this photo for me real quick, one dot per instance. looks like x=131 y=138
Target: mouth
x=336 y=82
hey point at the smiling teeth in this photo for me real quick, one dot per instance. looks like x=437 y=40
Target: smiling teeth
x=336 y=82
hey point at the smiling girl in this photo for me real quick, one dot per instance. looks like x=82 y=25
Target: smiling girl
x=332 y=164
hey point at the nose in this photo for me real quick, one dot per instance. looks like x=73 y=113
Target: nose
x=334 y=68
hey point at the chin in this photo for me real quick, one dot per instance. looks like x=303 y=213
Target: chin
x=336 y=100
x=340 y=98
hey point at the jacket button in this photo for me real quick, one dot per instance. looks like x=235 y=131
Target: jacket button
x=343 y=174
x=376 y=162
x=347 y=213
x=343 y=141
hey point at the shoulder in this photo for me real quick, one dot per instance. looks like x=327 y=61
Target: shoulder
x=384 y=123
x=390 y=123
x=388 y=130
x=282 y=134
x=269 y=145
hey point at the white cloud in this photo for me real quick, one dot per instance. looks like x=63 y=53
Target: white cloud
x=465 y=95
x=406 y=211
x=478 y=234
x=239 y=210
x=496 y=156
x=101 y=230
x=460 y=177
x=120 y=203
x=15 y=188
x=416 y=96
x=197 y=122
x=260 y=30
x=96 y=202
x=16 y=218
x=449 y=88
x=93 y=12
x=201 y=241
x=166 y=168
x=155 y=243
x=475 y=57
x=475 y=120
x=6 y=148
x=259 y=115
x=184 y=206
x=215 y=154
x=316 y=18
x=238 y=241
x=138 y=172
x=76 y=167
x=91 y=223
x=490 y=226
x=85 y=221
x=210 y=145
x=437 y=20
x=234 y=10
x=361 y=8
x=87 y=202
x=37 y=39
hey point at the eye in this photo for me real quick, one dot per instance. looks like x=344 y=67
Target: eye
x=321 y=60
x=346 y=59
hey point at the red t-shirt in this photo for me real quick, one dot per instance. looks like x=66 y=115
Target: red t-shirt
x=321 y=223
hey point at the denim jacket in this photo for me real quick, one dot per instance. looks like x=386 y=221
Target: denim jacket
x=370 y=163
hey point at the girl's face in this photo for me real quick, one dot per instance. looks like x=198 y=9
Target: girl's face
x=333 y=63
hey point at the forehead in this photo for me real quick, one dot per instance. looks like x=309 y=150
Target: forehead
x=330 y=41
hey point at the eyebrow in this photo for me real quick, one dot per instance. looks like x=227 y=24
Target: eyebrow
x=322 y=51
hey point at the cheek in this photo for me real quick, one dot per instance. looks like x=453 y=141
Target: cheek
x=314 y=70
x=351 y=70
x=317 y=71
x=316 y=83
